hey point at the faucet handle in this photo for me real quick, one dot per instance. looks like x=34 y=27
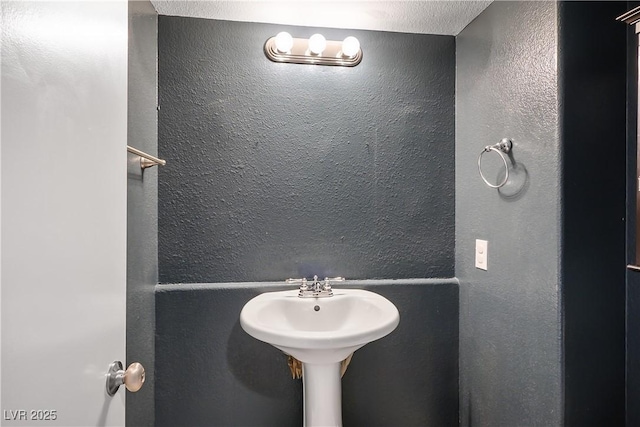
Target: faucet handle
x=302 y=282
x=327 y=282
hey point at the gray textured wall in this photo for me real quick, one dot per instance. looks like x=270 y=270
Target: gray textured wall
x=357 y=161
x=633 y=277
x=284 y=170
x=633 y=349
x=592 y=72
x=142 y=210
x=510 y=330
x=209 y=372
x=542 y=331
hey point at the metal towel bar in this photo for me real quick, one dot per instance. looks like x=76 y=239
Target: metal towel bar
x=146 y=160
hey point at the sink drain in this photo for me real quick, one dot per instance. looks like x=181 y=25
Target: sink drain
x=316 y=308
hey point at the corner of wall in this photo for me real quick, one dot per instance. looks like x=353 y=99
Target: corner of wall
x=142 y=201
x=592 y=94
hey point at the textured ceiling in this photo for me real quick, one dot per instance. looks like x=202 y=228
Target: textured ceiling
x=418 y=16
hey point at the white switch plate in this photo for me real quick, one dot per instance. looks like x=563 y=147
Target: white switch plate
x=481 y=254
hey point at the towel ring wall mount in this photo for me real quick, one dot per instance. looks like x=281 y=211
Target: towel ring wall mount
x=503 y=147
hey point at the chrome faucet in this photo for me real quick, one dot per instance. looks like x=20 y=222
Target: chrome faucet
x=316 y=288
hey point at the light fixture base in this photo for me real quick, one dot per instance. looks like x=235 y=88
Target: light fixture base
x=300 y=54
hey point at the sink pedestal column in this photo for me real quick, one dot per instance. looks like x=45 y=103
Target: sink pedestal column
x=322 y=394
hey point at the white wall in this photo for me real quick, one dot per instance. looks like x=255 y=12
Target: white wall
x=63 y=201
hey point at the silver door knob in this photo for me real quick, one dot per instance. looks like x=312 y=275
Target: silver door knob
x=132 y=378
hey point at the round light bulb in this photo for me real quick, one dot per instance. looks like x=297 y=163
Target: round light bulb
x=350 y=46
x=317 y=43
x=284 y=42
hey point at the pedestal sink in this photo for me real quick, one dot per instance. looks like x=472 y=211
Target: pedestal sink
x=320 y=332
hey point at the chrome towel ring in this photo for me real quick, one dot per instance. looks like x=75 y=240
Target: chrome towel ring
x=503 y=147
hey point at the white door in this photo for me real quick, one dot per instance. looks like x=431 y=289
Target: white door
x=63 y=210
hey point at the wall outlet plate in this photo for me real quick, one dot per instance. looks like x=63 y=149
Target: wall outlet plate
x=481 y=254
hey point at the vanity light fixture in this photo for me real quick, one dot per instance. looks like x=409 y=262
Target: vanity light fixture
x=316 y=50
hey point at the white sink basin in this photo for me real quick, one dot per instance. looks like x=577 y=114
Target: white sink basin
x=319 y=330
